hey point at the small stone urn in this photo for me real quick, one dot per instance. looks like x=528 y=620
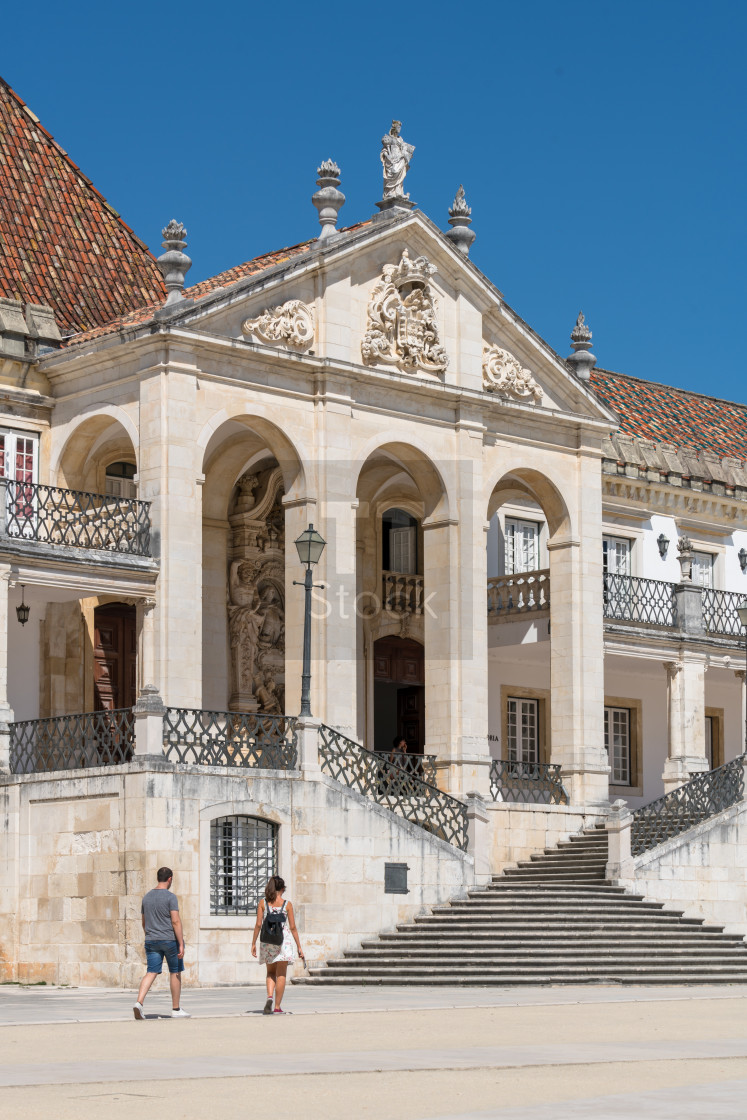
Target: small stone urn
x=685 y=550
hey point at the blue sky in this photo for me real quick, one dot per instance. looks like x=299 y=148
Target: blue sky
x=601 y=145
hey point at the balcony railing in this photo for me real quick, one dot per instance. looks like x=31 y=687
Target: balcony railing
x=696 y=801
x=208 y=738
x=74 y=518
x=72 y=742
x=529 y=782
x=420 y=765
x=393 y=787
x=402 y=593
x=633 y=599
x=521 y=593
x=720 y=612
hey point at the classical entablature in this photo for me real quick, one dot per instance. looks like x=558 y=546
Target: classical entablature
x=670 y=500
x=402 y=326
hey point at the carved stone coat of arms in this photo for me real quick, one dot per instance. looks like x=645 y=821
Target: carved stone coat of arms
x=402 y=325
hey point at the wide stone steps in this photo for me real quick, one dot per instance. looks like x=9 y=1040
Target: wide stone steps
x=551 y=920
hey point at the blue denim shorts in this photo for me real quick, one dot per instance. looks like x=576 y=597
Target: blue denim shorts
x=155 y=951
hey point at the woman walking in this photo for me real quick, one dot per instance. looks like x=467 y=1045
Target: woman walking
x=276 y=929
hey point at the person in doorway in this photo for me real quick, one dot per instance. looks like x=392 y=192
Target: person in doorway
x=164 y=937
x=398 y=753
x=274 y=910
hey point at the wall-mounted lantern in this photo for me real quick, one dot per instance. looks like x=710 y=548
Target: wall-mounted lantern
x=23 y=610
x=742 y=554
x=663 y=543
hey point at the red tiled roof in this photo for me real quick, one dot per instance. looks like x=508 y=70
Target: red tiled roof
x=663 y=414
x=61 y=243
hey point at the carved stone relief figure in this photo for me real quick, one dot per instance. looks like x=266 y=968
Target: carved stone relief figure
x=402 y=325
x=291 y=323
x=256 y=594
x=503 y=373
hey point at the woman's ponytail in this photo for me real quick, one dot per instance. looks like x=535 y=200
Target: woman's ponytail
x=275 y=886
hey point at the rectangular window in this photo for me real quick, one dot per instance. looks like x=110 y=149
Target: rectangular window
x=402 y=550
x=19 y=455
x=522 y=729
x=243 y=856
x=522 y=546
x=703 y=568
x=616 y=556
x=617 y=744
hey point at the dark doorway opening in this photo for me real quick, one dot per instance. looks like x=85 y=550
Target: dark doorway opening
x=399 y=694
x=114 y=657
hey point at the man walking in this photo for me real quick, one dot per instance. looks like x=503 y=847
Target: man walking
x=163 y=938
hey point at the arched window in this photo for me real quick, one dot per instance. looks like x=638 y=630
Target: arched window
x=399 y=542
x=119 y=480
x=243 y=856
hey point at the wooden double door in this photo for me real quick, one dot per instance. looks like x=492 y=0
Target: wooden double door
x=399 y=692
x=114 y=657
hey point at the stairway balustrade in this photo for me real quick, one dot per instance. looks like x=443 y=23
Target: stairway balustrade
x=683 y=808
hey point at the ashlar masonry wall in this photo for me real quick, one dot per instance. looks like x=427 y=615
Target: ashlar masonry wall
x=78 y=852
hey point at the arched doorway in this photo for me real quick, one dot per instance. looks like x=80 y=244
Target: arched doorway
x=399 y=693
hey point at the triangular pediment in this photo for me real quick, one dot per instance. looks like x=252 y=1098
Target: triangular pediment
x=394 y=295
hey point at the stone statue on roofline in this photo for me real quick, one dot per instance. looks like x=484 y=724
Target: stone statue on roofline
x=395 y=158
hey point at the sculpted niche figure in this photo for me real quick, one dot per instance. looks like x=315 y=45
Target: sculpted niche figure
x=245 y=618
x=395 y=159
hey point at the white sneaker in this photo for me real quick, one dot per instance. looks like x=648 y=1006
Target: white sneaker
x=137 y=1010
x=180 y=1014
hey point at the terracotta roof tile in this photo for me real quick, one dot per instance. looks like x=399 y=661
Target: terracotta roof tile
x=61 y=243
x=678 y=416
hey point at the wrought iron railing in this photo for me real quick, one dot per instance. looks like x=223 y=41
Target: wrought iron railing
x=530 y=782
x=519 y=593
x=72 y=742
x=402 y=593
x=702 y=797
x=391 y=785
x=420 y=765
x=209 y=738
x=720 y=612
x=633 y=599
x=54 y=515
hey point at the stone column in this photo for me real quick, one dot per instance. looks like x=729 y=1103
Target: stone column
x=339 y=629
x=6 y=712
x=146 y=641
x=577 y=669
x=686 y=752
x=442 y=730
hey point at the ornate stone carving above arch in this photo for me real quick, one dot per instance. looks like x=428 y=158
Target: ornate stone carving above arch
x=291 y=323
x=402 y=325
x=256 y=594
x=503 y=373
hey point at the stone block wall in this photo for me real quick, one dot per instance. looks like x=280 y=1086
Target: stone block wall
x=515 y=831
x=78 y=853
x=703 y=872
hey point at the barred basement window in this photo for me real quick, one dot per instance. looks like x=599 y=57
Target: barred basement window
x=243 y=856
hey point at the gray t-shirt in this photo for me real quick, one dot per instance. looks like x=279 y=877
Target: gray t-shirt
x=156 y=908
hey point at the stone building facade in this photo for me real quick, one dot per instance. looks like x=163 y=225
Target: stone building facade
x=487 y=591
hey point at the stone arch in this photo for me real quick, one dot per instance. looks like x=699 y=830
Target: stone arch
x=527 y=482
x=97 y=439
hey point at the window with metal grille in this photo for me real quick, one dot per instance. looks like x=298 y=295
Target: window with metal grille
x=617 y=744
x=522 y=546
x=522 y=729
x=243 y=856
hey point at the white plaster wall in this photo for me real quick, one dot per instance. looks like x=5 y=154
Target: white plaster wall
x=703 y=872
x=724 y=690
x=523 y=666
x=644 y=680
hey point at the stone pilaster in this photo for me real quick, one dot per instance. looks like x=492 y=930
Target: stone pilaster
x=149 y=712
x=686 y=754
x=478 y=838
x=620 y=866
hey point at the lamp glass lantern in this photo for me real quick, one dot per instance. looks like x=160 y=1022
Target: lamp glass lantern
x=742 y=555
x=310 y=546
x=23 y=610
x=663 y=543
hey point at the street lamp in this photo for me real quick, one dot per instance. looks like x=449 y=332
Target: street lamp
x=310 y=547
x=742 y=612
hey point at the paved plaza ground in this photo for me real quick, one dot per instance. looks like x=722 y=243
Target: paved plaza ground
x=600 y=1053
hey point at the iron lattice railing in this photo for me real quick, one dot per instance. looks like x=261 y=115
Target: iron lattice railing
x=633 y=599
x=53 y=515
x=208 y=738
x=391 y=785
x=420 y=765
x=402 y=593
x=702 y=797
x=72 y=742
x=720 y=612
x=531 y=782
x=519 y=593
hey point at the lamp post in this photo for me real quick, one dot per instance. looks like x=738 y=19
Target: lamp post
x=310 y=547
x=742 y=612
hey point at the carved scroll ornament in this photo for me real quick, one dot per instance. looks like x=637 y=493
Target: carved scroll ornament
x=401 y=326
x=502 y=373
x=291 y=323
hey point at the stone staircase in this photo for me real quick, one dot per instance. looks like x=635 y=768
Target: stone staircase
x=554 y=919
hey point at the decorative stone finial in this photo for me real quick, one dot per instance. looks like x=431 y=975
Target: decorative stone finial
x=581 y=361
x=174 y=264
x=459 y=219
x=395 y=159
x=328 y=200
x=685 y=549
